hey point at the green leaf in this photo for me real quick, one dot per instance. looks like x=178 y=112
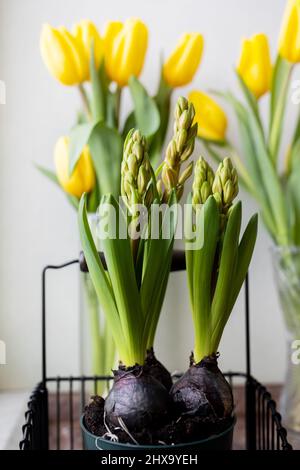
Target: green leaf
x=279 y=91
x=189 y=254
x=202 y=266
x=296 y=135
x=93 y=200
x=163 y=102
x=157 y=257
x=130 y=123
x=106 y=149
x=52 y=177
x=250 y=98
x=265 y=181
x=271 y=182
x=292 y=157
x=293 y=201
x=48 y=173
x=145 y=110
x=99 y=89
x=227 y=267
x=100 y=280
x=119 y=261
x=245 y=252
x=79 y=137
x=112 y=108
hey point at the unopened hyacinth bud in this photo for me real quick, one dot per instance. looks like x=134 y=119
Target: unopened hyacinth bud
x=203 y=181
x=136 y=170
x=225 y=186
x=179 y=149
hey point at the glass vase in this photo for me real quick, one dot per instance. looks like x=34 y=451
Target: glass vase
x=286 y=261
x=97 y=349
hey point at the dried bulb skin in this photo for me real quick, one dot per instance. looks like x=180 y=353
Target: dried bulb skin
x=203 y=391
x=138 y=399
x=157 y=370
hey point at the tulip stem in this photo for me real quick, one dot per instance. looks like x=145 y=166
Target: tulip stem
x=117 y=105
x=85 y=101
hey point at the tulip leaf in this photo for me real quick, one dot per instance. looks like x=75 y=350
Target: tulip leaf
x=293 y=199
x=112 y=117
x=279 y=91
x=250 y=138
x=79 y=137
x=130 y=123
x=99 y=86
x=163 y=101
x=52 y=177
x=106 y=149
x=251 y=99
x=145 y=109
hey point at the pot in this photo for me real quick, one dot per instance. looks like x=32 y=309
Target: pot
x=222 y=441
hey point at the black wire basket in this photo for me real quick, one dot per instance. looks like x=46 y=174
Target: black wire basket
x=56 y=403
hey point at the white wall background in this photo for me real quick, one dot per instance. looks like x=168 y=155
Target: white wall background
x=39 y=227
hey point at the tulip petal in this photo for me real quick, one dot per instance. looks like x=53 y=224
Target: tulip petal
x=182 y=64
x=254 y=66
x=211 y=119
x=125 y=48
x=76 y=49
x=83 y=177
x=134 y=42
x=56 y=56
x=111 y=30
x=86 y=33
x=289 y=39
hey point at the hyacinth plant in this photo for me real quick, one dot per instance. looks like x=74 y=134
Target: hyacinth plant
x=103 y=66
x=133 y=288
x=216 y=270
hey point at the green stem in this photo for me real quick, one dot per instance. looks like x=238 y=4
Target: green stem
x=278 y=115
x=85 y=101
x=118 y=97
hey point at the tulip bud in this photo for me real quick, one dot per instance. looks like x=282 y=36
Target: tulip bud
x=87 y=35
x=210 y=117
x=255 y=66
x=289 y=39
x=125 y=46
x=181 y=66
x=64 y=55
x=82 y=180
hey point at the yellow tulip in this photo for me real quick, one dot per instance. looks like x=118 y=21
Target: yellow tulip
x=181 y=66
x=211 y=119
x=64 y=56
x=82 y=179
x=289 y=39
x=125 y=46
x=86 y=33
x=255 y=66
